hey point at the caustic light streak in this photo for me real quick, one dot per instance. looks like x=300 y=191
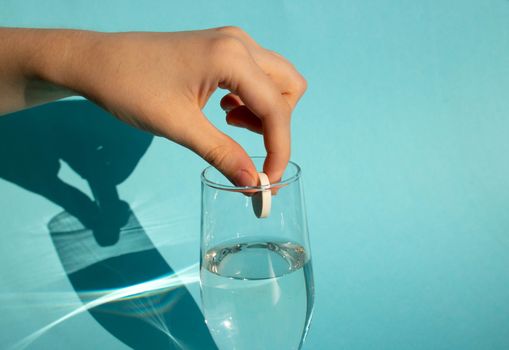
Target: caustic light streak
x=184 y=277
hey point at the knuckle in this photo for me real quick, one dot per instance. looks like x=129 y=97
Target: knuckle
x=301 y=84
x=224 y=47
x=276 y=54
x=232 y=30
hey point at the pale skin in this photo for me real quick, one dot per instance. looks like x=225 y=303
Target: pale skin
x=160 y=82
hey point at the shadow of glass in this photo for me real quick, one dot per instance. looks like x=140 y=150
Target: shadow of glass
x=100 y=242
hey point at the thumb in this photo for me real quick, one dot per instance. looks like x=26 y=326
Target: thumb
x=221 y=151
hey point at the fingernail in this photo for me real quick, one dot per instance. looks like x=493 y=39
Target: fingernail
x=244 y=178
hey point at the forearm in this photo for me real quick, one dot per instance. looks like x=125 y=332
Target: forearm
x=34 y=64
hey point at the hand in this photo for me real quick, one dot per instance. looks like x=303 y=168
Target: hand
x=160 y=82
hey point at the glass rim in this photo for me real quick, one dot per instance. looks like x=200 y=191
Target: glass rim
x=231 y=187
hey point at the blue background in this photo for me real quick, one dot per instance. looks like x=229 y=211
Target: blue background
x=403 y=141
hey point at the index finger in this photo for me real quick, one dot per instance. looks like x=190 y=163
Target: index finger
x=262 y=96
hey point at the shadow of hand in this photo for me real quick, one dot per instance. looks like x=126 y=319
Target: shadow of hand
x=99 y=240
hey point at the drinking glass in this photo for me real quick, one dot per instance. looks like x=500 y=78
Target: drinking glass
x=256 y=278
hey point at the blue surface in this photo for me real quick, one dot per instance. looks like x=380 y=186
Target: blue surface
x=403 y=142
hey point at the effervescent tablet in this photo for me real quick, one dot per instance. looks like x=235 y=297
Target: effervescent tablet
x=262 y=199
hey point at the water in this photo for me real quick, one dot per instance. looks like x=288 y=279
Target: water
x=257 y=295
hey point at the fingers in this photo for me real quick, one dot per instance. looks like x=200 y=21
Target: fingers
x=219 y=150
x=290 y=82
x=259 y=96
x=263 y=98
x=265 y=88
x=277 y=143
x=230 y=101
x=242 y=117
x=237 y=114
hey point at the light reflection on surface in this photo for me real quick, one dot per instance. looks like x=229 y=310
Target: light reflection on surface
x=135 y=292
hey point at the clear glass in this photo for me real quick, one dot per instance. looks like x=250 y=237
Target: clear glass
x=256 y=278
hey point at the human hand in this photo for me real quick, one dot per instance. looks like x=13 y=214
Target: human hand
x=160 y=82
